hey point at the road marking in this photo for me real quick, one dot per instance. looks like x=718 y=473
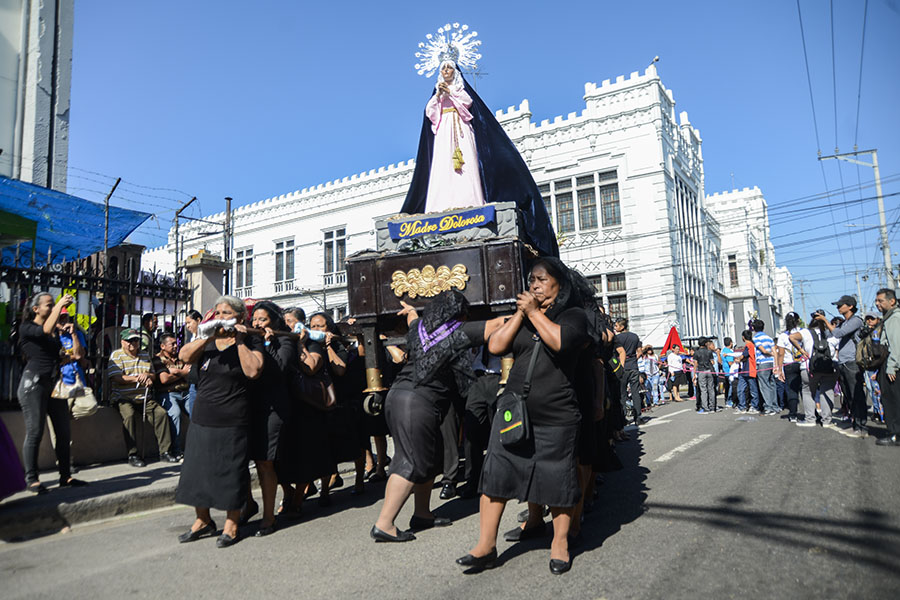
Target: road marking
x=678 y=412
x=682 y=448
x=655 y=422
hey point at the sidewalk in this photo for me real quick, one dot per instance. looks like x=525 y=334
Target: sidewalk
x=114 y=490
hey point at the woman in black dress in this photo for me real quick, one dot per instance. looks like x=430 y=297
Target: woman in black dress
x=270 y=409
x=543 y=469
x=214 y=473
x=345 y=423
x=438 y=367
x=39 y=344
x=307 y=454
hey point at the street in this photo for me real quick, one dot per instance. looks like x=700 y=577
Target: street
x=715 y=506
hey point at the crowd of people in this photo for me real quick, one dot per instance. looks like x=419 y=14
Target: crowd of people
x=272 y=390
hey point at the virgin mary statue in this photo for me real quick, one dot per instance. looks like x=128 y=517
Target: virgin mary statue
x=465 y=157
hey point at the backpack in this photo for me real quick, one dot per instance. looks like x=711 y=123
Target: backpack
x=820 y=358
x=870 y=354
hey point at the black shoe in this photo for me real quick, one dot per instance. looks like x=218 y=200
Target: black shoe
x=225 y=540
x=264 y=531
x=520 y=535
x=312 y=490
x=166 y=457
x=890 y=440
x=338 y=482
x=190 y=536
x=380 y=536
x=523 y=516
x=135 y=461
x=558 y=567
x=478 y=563
x=250 y=509
x=448 y=491
x=72 y=482
x=421 y=523
x=37 y=489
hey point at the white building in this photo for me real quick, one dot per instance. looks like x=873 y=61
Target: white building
x=35 y=81
x=622 y=180
x=755 y=287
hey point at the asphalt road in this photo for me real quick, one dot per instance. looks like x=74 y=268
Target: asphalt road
x=714 y=506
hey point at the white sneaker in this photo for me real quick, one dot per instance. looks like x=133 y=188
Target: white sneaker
x=805 y=424
x=830 y=426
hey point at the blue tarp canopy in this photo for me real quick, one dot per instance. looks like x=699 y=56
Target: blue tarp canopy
x=66 y=225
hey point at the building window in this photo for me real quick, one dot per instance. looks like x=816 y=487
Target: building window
x=243 y=268
x=607 y=176
x=545 y=196
x=609 y=205
x=733 y=270
x=284 y=260
x=565 y=213
x=618 y=307
x=615 y=282
x=335 y=250
x=587 y=203
x=597 y=283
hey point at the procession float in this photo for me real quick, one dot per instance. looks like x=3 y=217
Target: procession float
x=472 y=219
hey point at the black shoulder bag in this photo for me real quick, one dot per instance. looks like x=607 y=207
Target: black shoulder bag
x=512 y=413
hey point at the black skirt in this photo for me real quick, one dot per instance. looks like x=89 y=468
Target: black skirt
x=265 y=434
x=214 y=473
x=541 y=470
x=415 y=424
x=346 y=433
x=305 y=450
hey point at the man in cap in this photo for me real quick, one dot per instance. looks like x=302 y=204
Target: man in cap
x=130 y=380
x=873 y=320
x=850 y=375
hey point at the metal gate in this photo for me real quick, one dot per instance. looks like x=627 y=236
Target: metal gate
x=104 y=306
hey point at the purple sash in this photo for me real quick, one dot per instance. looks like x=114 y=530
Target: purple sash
x=429 y=340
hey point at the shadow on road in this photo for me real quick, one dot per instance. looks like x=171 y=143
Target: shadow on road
x=869 y=537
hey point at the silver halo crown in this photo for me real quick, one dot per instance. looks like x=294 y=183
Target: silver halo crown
x=452 y=42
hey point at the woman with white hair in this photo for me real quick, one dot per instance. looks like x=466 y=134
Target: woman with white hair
x=214 y=473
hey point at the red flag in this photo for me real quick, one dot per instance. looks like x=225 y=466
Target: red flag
x=671 y=340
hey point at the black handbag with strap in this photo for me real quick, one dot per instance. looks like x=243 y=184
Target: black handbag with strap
x=512 y=412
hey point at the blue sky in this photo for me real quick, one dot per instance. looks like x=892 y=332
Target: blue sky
x=253 y=100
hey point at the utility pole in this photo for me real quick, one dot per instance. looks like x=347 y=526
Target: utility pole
x=226 y=252
x=885 y=246
x=106 y=227
x=178 y=247
x=859 y=297
x=802 y=296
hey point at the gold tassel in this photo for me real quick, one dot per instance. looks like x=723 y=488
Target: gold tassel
x=458 y=161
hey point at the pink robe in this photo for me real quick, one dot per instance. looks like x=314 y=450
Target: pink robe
x=448 y=187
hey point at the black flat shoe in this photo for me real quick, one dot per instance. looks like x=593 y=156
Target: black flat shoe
x=311 y=490
x=264 y=531
x=37 y=489
x=166 y=457
x=421 y=523
x=523 y=516
x=72 y=482
x=381 y=536
x=478 y=563
x=558 y=567
x=520 y=535
x=225 y=540
x=191 y=536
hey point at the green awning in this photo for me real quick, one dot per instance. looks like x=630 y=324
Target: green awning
x=15 y=229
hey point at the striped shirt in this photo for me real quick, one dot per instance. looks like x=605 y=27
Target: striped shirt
x=764 y=342
x=121 y=363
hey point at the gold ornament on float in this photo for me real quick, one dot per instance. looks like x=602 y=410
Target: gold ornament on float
x=429 y=281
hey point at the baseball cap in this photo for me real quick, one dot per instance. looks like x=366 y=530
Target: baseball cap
x=871 y=315
x=793 y=315
x=845 y=299
x=129 y=334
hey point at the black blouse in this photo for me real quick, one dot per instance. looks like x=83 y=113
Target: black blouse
x=552 y=400
x=222 y=398
x=41 y=350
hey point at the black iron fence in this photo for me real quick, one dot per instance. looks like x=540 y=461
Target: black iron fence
x=104 y=306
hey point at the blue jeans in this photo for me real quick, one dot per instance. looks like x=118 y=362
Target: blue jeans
x=653 y=388
x=765 y=379
x=171 y=402
x=191 y=397
x=745 y=383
